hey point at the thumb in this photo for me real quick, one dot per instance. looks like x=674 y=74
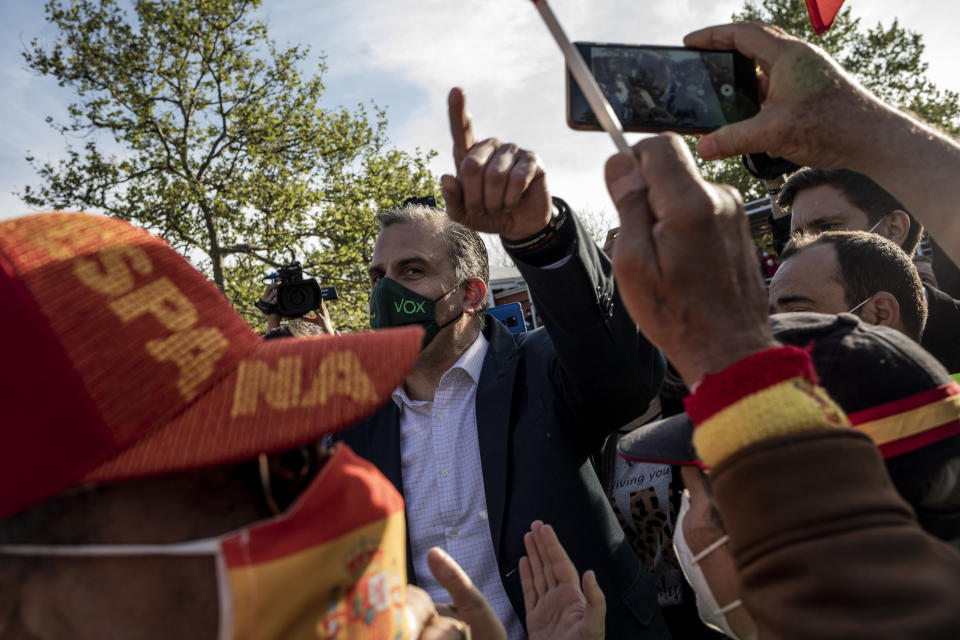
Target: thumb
x=454 y=579
x=596 y=603
x=746 y=136
x=452 y=194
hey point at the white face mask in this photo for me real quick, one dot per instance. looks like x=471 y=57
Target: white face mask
x=711 y=613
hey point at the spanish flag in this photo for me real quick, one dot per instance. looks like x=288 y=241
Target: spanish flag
x=910 y=423
x=331 y=567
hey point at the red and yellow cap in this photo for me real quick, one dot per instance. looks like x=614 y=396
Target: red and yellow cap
x=121 y=360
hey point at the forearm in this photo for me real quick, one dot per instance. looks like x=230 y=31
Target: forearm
x=919 y=166
x=604 y=364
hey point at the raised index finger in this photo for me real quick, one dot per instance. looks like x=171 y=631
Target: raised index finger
x=461 y=128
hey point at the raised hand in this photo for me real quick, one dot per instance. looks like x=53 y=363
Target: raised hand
x=468 y=604
x=557 y=608
x=499 y=187
x=813 y=112
x=685 y=265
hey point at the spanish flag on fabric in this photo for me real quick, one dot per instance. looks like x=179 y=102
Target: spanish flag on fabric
x=906 y=424
x=822 y=13
x=331 y=567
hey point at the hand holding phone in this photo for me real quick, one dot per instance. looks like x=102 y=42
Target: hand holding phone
x=814 y=113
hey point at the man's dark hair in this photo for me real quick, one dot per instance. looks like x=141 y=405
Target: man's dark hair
x=868 y=263
x=859 y=190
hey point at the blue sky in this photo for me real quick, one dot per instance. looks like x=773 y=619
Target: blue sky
x=406 y=54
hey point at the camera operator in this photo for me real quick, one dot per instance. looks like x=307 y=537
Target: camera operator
x=298 y=324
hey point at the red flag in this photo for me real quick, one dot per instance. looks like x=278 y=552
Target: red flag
x=822 y=13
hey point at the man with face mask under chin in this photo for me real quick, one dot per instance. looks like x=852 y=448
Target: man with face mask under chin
x=491 y=430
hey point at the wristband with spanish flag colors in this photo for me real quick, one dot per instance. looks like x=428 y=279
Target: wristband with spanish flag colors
x=771 y=393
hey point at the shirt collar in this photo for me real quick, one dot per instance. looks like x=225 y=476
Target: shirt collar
x=470 y=362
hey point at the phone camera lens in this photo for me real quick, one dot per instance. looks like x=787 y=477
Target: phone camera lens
x=726 y=90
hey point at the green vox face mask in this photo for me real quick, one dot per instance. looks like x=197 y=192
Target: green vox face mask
x=394 y=305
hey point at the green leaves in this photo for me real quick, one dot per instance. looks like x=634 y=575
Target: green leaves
x=200 y=129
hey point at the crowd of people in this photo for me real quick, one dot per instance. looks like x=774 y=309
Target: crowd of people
x=668 y=88
x=680 y=452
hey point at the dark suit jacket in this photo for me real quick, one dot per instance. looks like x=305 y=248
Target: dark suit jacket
x=941 y=337
x=545 y=400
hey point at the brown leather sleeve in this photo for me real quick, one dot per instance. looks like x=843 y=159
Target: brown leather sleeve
x=825 y=546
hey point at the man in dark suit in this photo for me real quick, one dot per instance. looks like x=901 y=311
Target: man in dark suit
x=493 y=430
x=841 y=200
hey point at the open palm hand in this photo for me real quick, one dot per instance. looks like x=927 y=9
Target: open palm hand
x=557 y=607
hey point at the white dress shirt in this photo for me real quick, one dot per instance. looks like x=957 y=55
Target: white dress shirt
x=443 y=484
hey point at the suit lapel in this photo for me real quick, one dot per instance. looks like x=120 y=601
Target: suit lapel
x=381 y=443
x=494 y=394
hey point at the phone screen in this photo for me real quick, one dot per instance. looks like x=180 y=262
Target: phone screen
x=654 y=88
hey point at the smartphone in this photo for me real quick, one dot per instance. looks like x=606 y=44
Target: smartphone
x=511 y=315
x=656 y=88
